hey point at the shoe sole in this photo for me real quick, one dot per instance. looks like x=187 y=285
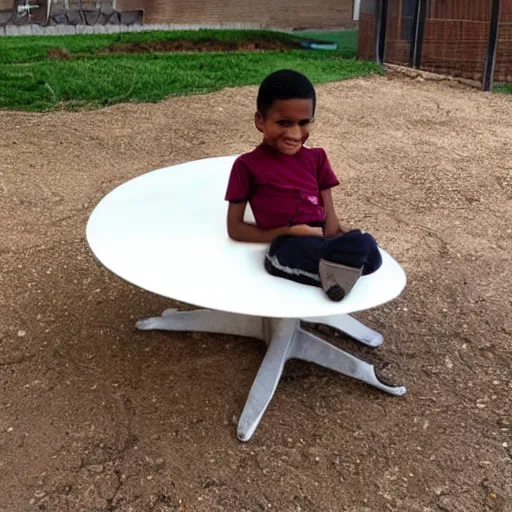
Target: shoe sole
x=337 y=280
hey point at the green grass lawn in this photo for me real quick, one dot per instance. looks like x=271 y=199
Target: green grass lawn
x=506 y=88
x=30 y=80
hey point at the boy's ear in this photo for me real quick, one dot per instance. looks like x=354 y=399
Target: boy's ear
x=258 y=121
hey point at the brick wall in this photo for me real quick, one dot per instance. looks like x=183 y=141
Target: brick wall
x=321 y=14
x=267 y=13
x=503 y=69
x=367 y=35
x=367 y=40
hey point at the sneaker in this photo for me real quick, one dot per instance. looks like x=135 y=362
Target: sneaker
x=336 y=279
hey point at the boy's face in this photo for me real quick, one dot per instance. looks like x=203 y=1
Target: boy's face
x=286 y=124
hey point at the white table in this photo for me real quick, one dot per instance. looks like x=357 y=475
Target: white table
x=165 y=231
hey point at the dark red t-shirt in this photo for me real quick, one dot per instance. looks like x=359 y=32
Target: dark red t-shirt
x=282 y=190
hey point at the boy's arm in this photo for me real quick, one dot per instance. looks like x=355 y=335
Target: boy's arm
x=332 y=224
x=241 y=231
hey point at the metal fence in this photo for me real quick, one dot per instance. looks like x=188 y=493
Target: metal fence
x=456 y=37
x=399 y=31
x=465 y=38
x=66 y=12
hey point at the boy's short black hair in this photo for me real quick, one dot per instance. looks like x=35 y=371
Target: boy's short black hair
x=284 y=84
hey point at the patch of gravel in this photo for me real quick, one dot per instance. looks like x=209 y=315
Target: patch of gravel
x=96 y=416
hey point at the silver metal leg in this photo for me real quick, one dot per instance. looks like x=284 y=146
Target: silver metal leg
x=205 y=320
x=350 y=326
x=264 y=385
x=286 y=340
x=309 y=347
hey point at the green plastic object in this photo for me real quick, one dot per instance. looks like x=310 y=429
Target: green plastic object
x=315 y=44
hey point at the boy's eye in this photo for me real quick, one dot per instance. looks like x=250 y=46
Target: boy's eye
x=302 y=122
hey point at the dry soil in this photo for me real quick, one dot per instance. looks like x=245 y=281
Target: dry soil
x=95 y=416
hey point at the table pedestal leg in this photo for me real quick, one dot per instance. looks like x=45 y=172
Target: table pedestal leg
x=280 y=347
x=309 y=347
x=205 y=320
x=350 y=326
x=286 y=340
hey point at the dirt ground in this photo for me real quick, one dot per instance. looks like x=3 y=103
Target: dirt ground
x=95 y=416
x=180 y=45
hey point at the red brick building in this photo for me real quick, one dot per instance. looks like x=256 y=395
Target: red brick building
x=270 y=13
x=320 y=14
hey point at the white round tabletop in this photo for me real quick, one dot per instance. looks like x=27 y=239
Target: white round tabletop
x=165 y=231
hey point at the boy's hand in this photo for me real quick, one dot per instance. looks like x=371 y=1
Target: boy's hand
x=335 y=229
x=304 y=230
x=332 y=227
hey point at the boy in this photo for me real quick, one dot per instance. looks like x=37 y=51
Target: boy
x=289 y=189
x=284 y=190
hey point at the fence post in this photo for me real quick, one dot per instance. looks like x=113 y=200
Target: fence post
x=418 y=29
x=490 y=59
x=382 y=13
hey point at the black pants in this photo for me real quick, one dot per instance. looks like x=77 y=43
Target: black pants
x=297 y=257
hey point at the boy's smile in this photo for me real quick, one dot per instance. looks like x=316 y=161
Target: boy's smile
x=286 y=124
